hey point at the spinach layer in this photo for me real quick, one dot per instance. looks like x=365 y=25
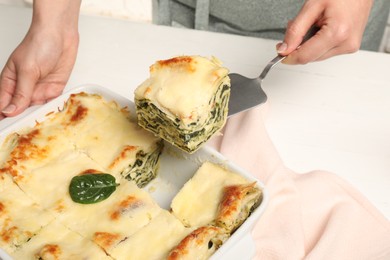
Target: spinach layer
x=144 y=169
x=187 y=137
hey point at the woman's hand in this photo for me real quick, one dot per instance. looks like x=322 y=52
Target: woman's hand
x=341 y=23
x=40 y=66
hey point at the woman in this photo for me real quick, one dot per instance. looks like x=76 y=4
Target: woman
x=40 y=66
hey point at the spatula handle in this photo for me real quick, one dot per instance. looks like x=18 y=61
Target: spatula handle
x=310 y=33
x=270 y=64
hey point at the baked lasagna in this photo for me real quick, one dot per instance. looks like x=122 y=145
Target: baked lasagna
x=91 y=137
x=185 y=100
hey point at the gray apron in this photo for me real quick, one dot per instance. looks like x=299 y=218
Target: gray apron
x=257 y=18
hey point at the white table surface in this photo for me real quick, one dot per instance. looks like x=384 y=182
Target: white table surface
x=332 y=115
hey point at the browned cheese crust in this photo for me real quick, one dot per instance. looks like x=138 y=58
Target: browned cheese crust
x=236 y=205
x=202 y=242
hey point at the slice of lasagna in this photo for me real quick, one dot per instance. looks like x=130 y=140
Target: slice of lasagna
x=185 y=100
x=198 y=202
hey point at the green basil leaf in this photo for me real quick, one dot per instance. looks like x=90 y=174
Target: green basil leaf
x=91 y=188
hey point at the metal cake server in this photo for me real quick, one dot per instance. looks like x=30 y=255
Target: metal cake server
x=246 y=93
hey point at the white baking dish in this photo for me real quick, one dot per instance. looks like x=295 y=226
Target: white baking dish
x=176 y=167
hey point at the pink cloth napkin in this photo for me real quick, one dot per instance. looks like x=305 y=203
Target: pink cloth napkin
x=315 y=215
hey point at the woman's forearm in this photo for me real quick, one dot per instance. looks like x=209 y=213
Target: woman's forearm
x=58 y=14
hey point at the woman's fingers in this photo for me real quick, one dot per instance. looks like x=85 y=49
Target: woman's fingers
x=297 y=28
x=21 y=99
x=341 y=23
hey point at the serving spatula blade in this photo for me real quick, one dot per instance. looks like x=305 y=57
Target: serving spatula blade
x=245 y=93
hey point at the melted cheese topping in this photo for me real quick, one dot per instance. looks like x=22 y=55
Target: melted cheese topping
x=54 y=179
x=183 y=86
x=33 y=149
x=154 y=241
x=57 y=242
x=115 y=219
x=105 y=123
x=88 y=124
x=20 y=217
x=197 y=202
